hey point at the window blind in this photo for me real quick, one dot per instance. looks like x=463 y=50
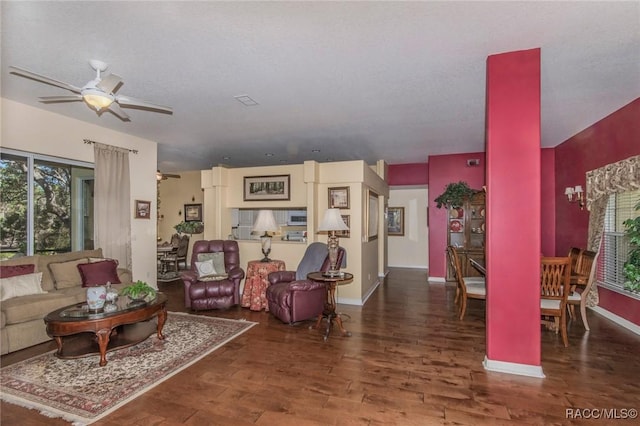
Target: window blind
x=615 y=244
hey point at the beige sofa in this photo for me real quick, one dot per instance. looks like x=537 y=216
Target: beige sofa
x=22 y=320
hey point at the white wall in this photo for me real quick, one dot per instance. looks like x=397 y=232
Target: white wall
x=411 y=250
x=174 y=194
x=35 y=130
x=310 y=182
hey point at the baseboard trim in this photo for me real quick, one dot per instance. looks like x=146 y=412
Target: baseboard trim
x=436 y=279
x=358 y=302
x=617 y=319
x=420 y=267
x=370 y=292
x=513 y=368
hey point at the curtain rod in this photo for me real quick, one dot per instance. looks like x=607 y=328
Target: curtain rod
x=89 y=142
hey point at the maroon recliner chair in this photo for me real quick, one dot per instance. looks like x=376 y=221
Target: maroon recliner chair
x=221 y=294
x=291 y=296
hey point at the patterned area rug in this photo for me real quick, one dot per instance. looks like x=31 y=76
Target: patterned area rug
x=80 y=391
x=168 y=276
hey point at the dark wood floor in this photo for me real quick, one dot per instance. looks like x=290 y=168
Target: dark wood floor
x=408 y=362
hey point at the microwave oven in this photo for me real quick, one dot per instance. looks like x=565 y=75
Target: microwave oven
x=297 y=218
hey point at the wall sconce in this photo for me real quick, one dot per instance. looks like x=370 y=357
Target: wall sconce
x=575 y=194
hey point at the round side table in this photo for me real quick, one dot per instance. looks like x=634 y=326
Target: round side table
x=256 y=283
x=332 y=282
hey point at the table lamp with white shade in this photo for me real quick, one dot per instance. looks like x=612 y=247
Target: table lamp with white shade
x=332 y=222
x=265 y=223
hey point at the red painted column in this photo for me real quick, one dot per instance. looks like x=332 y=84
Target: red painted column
x=513 y=212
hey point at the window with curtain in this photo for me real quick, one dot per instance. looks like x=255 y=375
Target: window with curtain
x=615 y=244
x=46 y=204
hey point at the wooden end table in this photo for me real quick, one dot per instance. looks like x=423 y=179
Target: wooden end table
x=80 y=332
x=332 y=282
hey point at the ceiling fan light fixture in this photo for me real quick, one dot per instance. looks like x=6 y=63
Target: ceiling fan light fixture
x=97 y=99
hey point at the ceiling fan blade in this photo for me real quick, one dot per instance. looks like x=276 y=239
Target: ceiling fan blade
x=110 y=83
x=164 y=176
x=70 y=98
x=126 y=101
x=43 y=79
x=114 y=108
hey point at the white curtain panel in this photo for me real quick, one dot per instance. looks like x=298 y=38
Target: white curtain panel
x=112 y=213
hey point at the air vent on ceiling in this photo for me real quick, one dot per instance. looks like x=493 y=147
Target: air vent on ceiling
x=245 y=100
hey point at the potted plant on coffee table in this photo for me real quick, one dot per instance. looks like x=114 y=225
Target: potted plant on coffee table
x=139 y=291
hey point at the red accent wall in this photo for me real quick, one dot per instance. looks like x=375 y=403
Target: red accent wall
x=548 y=202
x=408 y=174
x=513 y=207
x=611 y=139
x=444 y=169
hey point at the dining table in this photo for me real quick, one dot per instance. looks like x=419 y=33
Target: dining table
x=164 y=250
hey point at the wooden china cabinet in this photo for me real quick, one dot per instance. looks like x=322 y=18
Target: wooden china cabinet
x=466 y=232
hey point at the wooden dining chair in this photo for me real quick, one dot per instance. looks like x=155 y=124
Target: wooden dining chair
x=179 y=255
x=554 y=292
x=580 y=286
x=467 y=289
x=574 y=255
x=467 y=280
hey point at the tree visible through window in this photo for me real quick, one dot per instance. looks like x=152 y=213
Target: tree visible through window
x=615 y=247
x=56 y=205
x=13 y=204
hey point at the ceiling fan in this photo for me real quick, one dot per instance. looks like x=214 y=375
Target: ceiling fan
x=99 y=93
x=163 y=176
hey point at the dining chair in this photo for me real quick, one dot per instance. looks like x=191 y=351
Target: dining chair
x=467 y=289
x=467 y=280
x=179 y=255
x=554 y=292
x=574 y=255
x=580 y=287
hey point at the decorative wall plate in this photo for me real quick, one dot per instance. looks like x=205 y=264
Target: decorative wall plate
x=455 y=226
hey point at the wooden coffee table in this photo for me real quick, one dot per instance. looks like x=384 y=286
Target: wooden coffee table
x=80 y=332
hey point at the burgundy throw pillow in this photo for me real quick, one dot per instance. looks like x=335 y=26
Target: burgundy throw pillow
x=15 y=270
x=98 y=273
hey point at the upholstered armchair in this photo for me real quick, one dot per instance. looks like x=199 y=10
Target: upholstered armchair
x=223 y=291
x=291 y=296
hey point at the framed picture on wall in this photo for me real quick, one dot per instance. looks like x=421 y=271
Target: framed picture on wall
x=372 y=216
x=193 y=212
x=395 y=221
x=267 y=188
x=142 y=209
x=339 y=197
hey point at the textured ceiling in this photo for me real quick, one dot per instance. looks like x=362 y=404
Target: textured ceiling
x=356 y=80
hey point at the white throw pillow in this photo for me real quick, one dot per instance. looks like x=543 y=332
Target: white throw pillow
x=206 y=268
x=21 y=285
x=218 y=261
